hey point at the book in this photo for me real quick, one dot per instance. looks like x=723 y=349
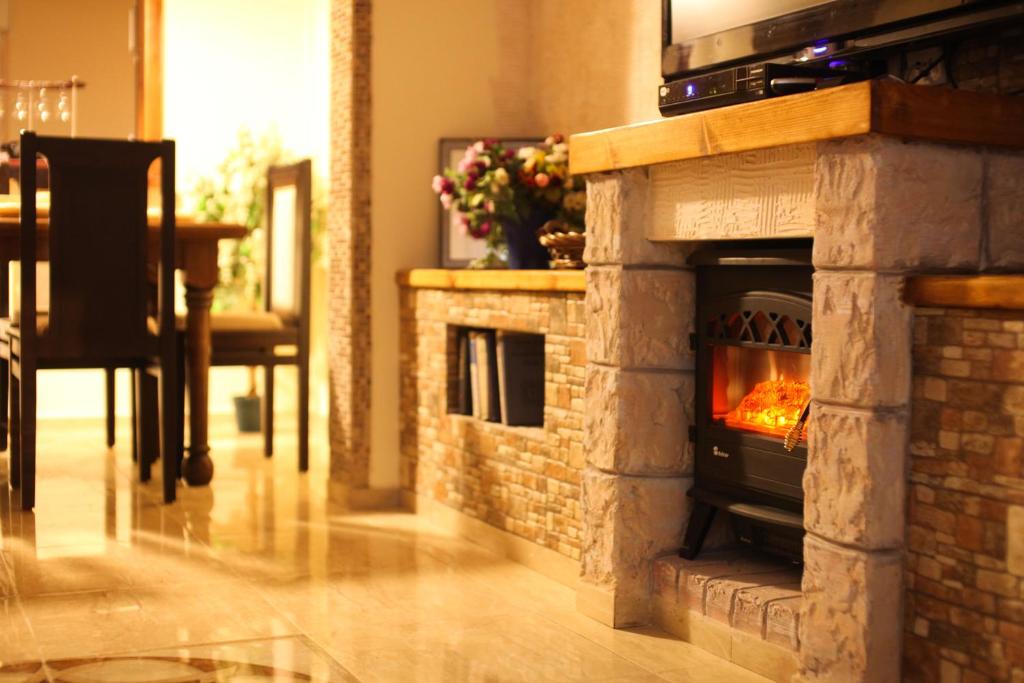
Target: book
x=487 y=375
x=521 y=378
x=474 y=375
x=464 y=388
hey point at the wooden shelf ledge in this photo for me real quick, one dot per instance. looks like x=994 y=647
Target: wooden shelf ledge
x=499 y=280
x=884 y=107
x=966 y=291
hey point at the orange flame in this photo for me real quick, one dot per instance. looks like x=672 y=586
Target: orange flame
x=772 y=407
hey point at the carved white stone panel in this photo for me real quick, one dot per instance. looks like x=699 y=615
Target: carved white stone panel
x=750 y=195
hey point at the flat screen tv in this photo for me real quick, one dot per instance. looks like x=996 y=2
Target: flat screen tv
x=704 y=35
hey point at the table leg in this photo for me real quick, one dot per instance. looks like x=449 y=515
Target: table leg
x=198 y=467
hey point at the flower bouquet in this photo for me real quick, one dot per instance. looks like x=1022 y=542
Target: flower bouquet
x=505 y=196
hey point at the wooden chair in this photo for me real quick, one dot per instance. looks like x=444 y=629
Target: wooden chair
x=101 y=254
x=278 y=334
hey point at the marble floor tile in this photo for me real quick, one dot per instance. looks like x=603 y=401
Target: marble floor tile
x=259 y=577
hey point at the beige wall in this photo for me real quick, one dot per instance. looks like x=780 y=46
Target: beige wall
x=597 y=62
x=450 y=73
x=484 y=67
x=55 y=39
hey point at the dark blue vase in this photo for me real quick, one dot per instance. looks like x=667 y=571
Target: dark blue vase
x=524 y=249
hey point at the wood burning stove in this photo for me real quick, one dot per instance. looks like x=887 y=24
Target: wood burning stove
x=753 y=345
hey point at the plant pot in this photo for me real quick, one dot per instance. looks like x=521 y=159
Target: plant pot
x=525 y=251
x=247 y=413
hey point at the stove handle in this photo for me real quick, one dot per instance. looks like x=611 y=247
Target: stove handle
x=796 y=432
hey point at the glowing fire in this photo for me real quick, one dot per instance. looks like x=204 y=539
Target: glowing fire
x=772 y=407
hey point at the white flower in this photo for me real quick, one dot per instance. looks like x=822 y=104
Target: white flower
x=479 y=146
x=560 y=148
x=526 y=152
x=501 y=176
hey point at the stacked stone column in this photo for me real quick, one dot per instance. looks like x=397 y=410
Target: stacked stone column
x=884 y=208
x=638 y=400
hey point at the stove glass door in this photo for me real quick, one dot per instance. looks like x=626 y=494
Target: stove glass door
x=759 y=390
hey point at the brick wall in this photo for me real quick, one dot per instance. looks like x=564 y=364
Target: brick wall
x=524 y=480
x=964 y=592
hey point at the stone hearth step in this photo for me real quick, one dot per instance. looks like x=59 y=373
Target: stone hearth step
x=741 y=606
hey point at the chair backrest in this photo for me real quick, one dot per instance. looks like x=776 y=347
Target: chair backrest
x=288 y=240
x=100 y=248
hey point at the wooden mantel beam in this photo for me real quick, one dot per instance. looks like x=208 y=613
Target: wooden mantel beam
x=966 y=291
x=883 y=107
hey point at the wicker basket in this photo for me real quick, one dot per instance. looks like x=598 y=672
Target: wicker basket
x=566 y=249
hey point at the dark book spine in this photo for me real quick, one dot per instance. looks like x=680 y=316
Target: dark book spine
x=464 y=405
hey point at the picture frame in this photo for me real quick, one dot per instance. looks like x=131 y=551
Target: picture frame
x=456 y=248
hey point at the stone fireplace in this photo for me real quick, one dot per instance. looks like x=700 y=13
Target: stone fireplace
x=911 y=398
x=879 y=207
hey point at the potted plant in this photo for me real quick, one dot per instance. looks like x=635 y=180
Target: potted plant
x=507 y=197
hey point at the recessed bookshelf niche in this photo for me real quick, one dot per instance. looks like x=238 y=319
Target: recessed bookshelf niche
x=496 y=375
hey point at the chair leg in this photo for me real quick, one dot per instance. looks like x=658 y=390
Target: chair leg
x=268 y=410
x=149 y=440
x=180 y=405
x=111 y=428
x=27 y=410
x=169 y=426
x=15 y=428
x=304 y=413
x=135 y=417
x=4 y=398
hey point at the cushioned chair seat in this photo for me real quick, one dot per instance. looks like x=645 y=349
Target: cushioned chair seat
x=244 y=321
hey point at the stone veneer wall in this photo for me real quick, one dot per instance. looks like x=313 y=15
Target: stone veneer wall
x=523 y=480
x=965 y=514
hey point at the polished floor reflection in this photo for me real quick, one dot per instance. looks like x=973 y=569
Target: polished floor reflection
x=259 y=578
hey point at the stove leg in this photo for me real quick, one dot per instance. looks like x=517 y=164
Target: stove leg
x=697 y=530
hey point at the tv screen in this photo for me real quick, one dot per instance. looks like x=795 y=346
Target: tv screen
x=700 y=35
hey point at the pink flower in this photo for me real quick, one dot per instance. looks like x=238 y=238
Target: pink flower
x=446 y=201
x=468 y=159
x=484 y=229
x=489 y=205
x=542 y=179
x=437 y=183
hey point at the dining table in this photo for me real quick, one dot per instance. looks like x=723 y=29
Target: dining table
x=196 y=256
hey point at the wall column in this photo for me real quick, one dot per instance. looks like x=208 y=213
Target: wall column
x=348 y=233
x=639 y=388
x=884 y=208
